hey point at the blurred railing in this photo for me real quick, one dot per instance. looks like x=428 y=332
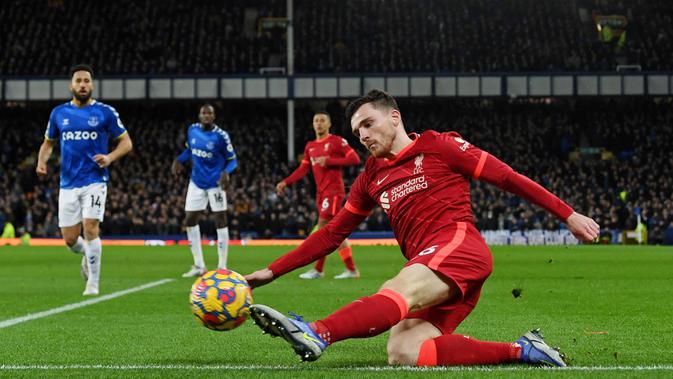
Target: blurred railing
x=512 y=84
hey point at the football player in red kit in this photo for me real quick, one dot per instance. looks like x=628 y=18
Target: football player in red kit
x=326 y=156
x=423 y=183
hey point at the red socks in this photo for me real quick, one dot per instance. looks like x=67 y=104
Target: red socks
x=346 y=255
x=366 y=317
x=459 y=350
x=373 y=315
x=320 y=264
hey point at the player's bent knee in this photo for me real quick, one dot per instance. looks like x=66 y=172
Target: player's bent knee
x=402 y=354
x=221 y=220
x=191 y=219
x=70 y=235
x=70 y=240
x=91 y=229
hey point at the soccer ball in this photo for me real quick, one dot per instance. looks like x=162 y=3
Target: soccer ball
x=221 y=299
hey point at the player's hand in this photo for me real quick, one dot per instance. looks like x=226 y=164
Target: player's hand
x=176 y=168
x=582 y=227
x=41 y=169
x=259 y=278
x=321 y=161
x=102 y=160
x=280 y=188
x=224 y=180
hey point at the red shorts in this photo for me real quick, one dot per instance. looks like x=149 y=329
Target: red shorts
x=328 y=205
x=461 y=255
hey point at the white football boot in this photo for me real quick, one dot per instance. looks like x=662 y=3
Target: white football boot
x=348 y=274
x=91 y=289
x=312 y=274
x=195 y=271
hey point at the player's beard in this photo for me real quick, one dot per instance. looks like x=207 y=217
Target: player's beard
x=384 y=144
x=379 y=152
x=82 y=99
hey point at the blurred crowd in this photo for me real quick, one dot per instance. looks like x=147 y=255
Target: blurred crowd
x=214 y=37
x=479 y=35
x=136 y=37
x=608 y=158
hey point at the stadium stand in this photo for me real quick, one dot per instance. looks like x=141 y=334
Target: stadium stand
x=136 y=37
x=609 y=158
x=132 y=37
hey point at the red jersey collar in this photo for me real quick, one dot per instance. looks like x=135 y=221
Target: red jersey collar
x=323 y=138
x=414 y=137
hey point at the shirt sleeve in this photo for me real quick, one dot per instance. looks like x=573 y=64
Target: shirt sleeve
x=114 y=124
x=473 y=162
x=349 y=156
x=52 y=127
x=229 y=154
x=231 y=165
x=185 y=155
x=359 y=201
x=300 y=171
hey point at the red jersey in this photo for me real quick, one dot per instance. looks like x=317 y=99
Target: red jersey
x=425 y=189
x=328 y=179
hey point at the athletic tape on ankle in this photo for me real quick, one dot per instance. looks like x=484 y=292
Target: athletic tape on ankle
x=398 y=299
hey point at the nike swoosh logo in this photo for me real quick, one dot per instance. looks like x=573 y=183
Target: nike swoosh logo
x=306 y=336
x=378 y=182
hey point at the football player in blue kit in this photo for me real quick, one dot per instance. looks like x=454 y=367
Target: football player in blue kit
x=83 y=126
x=213 y=159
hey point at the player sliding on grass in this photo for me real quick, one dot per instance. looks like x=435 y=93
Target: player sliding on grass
x=422 y=183
x=326 y=156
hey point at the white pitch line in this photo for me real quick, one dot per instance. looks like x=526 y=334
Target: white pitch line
x=69 y=307
x=319 y=368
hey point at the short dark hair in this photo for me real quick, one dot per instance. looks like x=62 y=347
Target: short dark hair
x=81 y=67
x=325 y=113
x=377 y=97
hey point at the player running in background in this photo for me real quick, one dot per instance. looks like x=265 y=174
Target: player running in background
x=213 y=159
x=423 y=183
x=83 y=126
x=326 y=156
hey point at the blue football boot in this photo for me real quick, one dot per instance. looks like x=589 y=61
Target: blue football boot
x=305 y=342
x=536 y=352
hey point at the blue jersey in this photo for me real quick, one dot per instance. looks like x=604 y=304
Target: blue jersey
x=211 y=153
x=83 y=133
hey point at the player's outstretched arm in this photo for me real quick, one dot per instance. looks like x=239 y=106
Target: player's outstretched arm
x=472 y=161
x=43 y=155
x=582 y=227
x=123 y=147
x=496 y=172
x=317 y=245
x=259 y=277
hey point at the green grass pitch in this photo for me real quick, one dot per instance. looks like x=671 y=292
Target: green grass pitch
x=609 y=308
